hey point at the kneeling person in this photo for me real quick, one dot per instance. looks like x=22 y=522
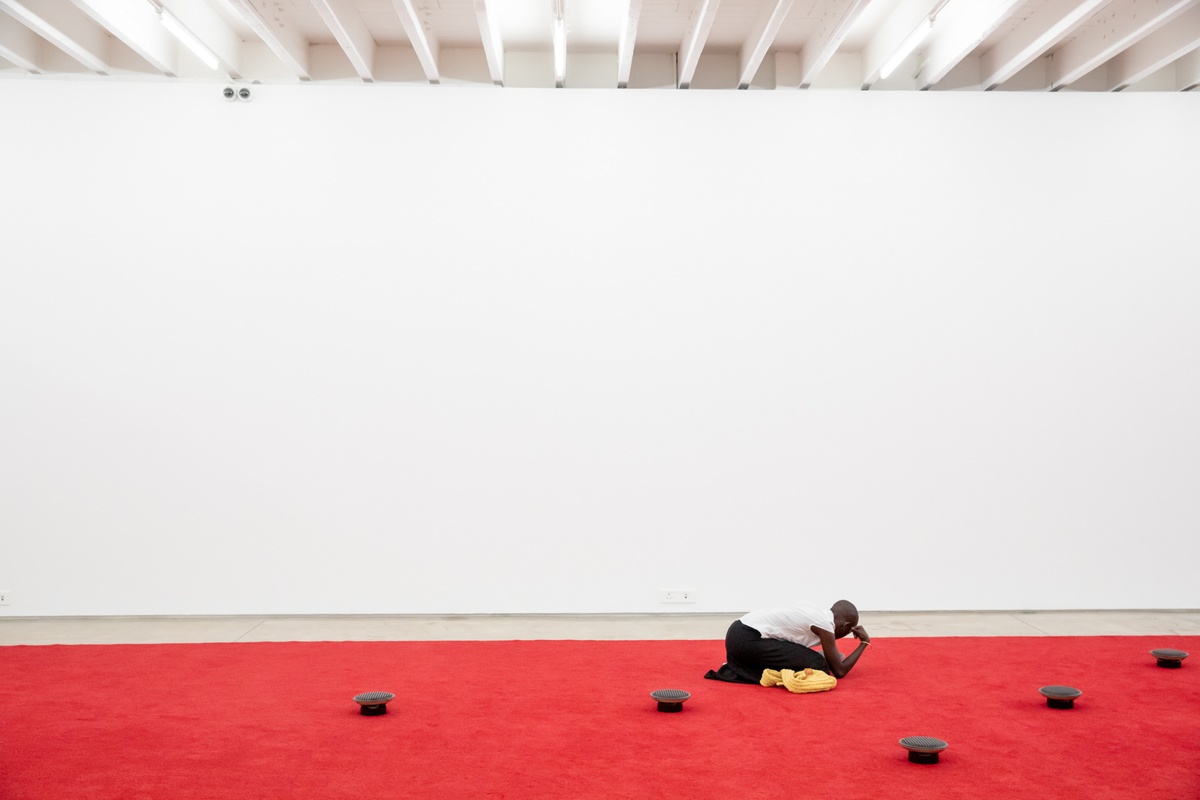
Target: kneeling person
x=784 y=638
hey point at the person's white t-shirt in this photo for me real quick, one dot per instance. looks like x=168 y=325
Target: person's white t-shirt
x=792 y=624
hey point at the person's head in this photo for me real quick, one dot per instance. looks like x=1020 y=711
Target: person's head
x=845 y=617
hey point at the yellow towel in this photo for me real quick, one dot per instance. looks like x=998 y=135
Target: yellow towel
x=810 y=680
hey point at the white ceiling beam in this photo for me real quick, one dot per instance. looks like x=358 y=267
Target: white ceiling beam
x=961 y=27
x=626 y=42
x=287 y=45
x=423 y=41
x=761 y=37
x=1122 y=26
x=1164 y=46
x=493 y=46
x=20 y=45
x=1045 y=28
x=893 y=32
x=138 y=27
x=1187 y=71
x=693 y=42
x=829 y=36
x=65 y=27
x=351 y=33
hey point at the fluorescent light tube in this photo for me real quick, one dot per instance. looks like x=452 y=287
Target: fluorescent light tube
x=181 y=33
x=560 y=51
x=905 y=50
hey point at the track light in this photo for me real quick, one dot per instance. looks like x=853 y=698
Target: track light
x=906 y=48
x=180 y=32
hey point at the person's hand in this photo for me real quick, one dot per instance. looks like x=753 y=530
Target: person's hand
x=860 y=633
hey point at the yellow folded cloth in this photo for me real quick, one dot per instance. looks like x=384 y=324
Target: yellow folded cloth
x=810 y=680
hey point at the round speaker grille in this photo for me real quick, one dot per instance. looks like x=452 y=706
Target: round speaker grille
x=1060 y=692
x=1169 y=655
x=923 y=744
x=373 y=698
x=670 y=695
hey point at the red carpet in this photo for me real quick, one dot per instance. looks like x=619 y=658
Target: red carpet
x=552 y=719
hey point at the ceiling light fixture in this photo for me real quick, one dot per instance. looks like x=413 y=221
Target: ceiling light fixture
x=906 y=48
x=193 y=43
x=560 y=44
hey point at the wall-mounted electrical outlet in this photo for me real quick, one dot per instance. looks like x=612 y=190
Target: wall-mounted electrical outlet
x=5 y=598
x=677 y=596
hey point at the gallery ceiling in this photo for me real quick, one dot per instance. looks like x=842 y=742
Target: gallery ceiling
x=1022 y=45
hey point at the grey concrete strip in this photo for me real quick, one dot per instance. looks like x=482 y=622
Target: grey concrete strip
x=1113 y=623
x=250 y=630
x=936 y=623
x=114 y=630
x=120 y=630
x=494 y=627
x=1028 y=620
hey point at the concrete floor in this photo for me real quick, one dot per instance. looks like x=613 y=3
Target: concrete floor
x=146 y=630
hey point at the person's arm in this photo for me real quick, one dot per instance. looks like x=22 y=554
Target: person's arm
x=840 y=665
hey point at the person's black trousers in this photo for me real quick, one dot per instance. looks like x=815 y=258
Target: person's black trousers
x=747 y=654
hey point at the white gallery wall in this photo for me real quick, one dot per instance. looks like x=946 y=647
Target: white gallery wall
x=362 y=349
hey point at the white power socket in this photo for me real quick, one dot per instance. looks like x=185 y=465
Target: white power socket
x=5 y=598
x=677 y=596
